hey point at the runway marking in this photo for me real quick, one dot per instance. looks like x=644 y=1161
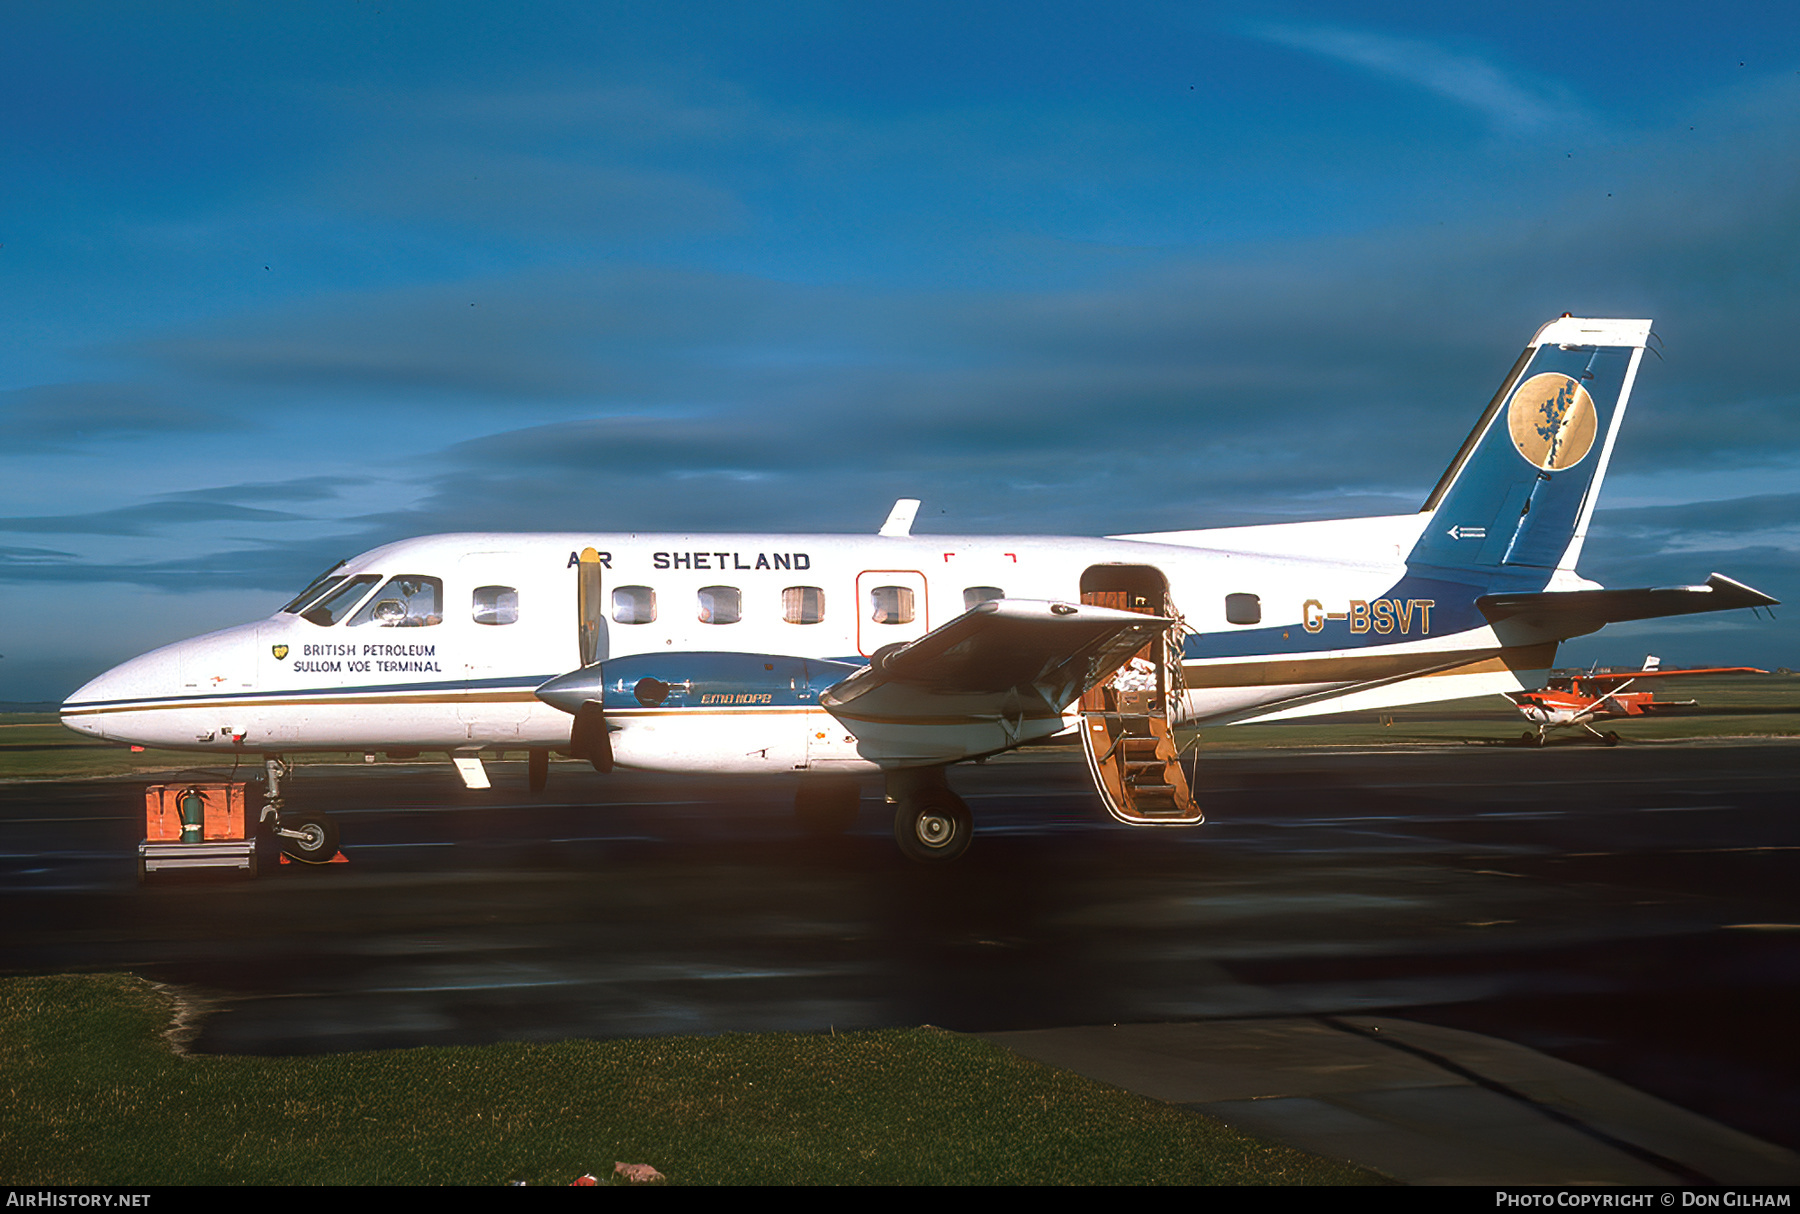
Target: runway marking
x=380 y=846
x=613 y=839
x=583 y=805
x=1678 y=851
x=1761 y=927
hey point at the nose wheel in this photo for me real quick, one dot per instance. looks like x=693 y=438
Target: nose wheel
x=308 y=838
x=933 y=826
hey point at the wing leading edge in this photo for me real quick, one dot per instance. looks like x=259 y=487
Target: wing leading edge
x=994 y=677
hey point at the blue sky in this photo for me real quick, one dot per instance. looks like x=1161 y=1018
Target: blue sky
x=283 y=285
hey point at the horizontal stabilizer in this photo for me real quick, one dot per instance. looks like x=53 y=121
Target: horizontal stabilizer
x=1577 y=612
x=994 y=677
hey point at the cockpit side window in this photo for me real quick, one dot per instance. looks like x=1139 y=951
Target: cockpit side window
x=407 y=601
x=327 y=609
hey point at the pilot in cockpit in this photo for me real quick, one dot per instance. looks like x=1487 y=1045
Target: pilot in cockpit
x=405 y=602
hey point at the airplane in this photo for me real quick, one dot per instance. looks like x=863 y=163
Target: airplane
x=1575 y=700
x=831 y=659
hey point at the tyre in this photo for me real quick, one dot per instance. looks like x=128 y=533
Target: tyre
x=318 y=841
x=827 y=807
x=933 y=826
x=537 y=770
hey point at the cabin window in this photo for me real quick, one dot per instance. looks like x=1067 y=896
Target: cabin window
x=329 y=608
x=975 y=596
x=1243 y=609
x=495 y=605
x=720 y=605
x=634 y=605
x=407 y=601
x=803 y=604
x=891 y=604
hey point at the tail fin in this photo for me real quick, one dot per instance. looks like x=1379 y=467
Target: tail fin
x=1522 y=489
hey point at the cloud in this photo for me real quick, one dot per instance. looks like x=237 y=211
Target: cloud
x=72 y=416
x=1716 y=519
x=299 y=489
x=33 y=556
x=1513 y=106
x=150 y=518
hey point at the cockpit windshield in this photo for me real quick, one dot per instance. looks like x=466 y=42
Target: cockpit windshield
x=314 y=589
x=328 y=608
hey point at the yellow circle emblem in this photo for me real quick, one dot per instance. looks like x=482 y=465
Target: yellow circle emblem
x=1553 y=421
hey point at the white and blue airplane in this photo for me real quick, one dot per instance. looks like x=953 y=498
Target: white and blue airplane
x=833 y=658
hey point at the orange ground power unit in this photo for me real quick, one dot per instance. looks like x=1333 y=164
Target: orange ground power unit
x=188 y=826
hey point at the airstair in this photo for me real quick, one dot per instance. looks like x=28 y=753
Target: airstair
x=1126 y=736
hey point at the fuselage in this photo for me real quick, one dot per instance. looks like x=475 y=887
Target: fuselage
x=439 y=643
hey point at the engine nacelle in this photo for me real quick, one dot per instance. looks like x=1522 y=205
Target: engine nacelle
x=712 y=712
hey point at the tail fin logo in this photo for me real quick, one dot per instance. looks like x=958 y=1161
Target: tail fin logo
x=1553 y=421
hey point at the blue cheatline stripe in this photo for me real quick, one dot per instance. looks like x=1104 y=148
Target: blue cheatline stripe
x=513 y=681
x=1452 y=593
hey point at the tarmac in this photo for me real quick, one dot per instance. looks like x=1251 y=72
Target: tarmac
x=1420 y=1104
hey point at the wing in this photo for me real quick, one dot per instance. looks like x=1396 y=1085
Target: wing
x=1614 y=680
x=994 y=677
x=1572 y=613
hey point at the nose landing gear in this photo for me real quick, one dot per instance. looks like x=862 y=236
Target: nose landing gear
x=310 y=838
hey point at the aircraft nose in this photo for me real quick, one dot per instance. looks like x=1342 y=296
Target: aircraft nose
x=74 y=718
x=570 y=691
x=81 y=711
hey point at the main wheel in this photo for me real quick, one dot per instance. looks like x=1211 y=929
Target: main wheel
x=933 y=826
x=1609 y=738
x=537 y=769
x=827 y=807
x=318 y=841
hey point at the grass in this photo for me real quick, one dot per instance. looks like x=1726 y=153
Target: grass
x=92 y=1093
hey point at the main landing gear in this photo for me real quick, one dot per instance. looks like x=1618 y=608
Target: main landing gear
x=1609 y=738
x=931 y=824
x=310 y=838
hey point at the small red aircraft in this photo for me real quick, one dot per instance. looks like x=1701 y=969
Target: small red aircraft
x=1571 y=701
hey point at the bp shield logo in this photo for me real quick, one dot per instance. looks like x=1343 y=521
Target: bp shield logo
x=1553 y=421
x=280 y=651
